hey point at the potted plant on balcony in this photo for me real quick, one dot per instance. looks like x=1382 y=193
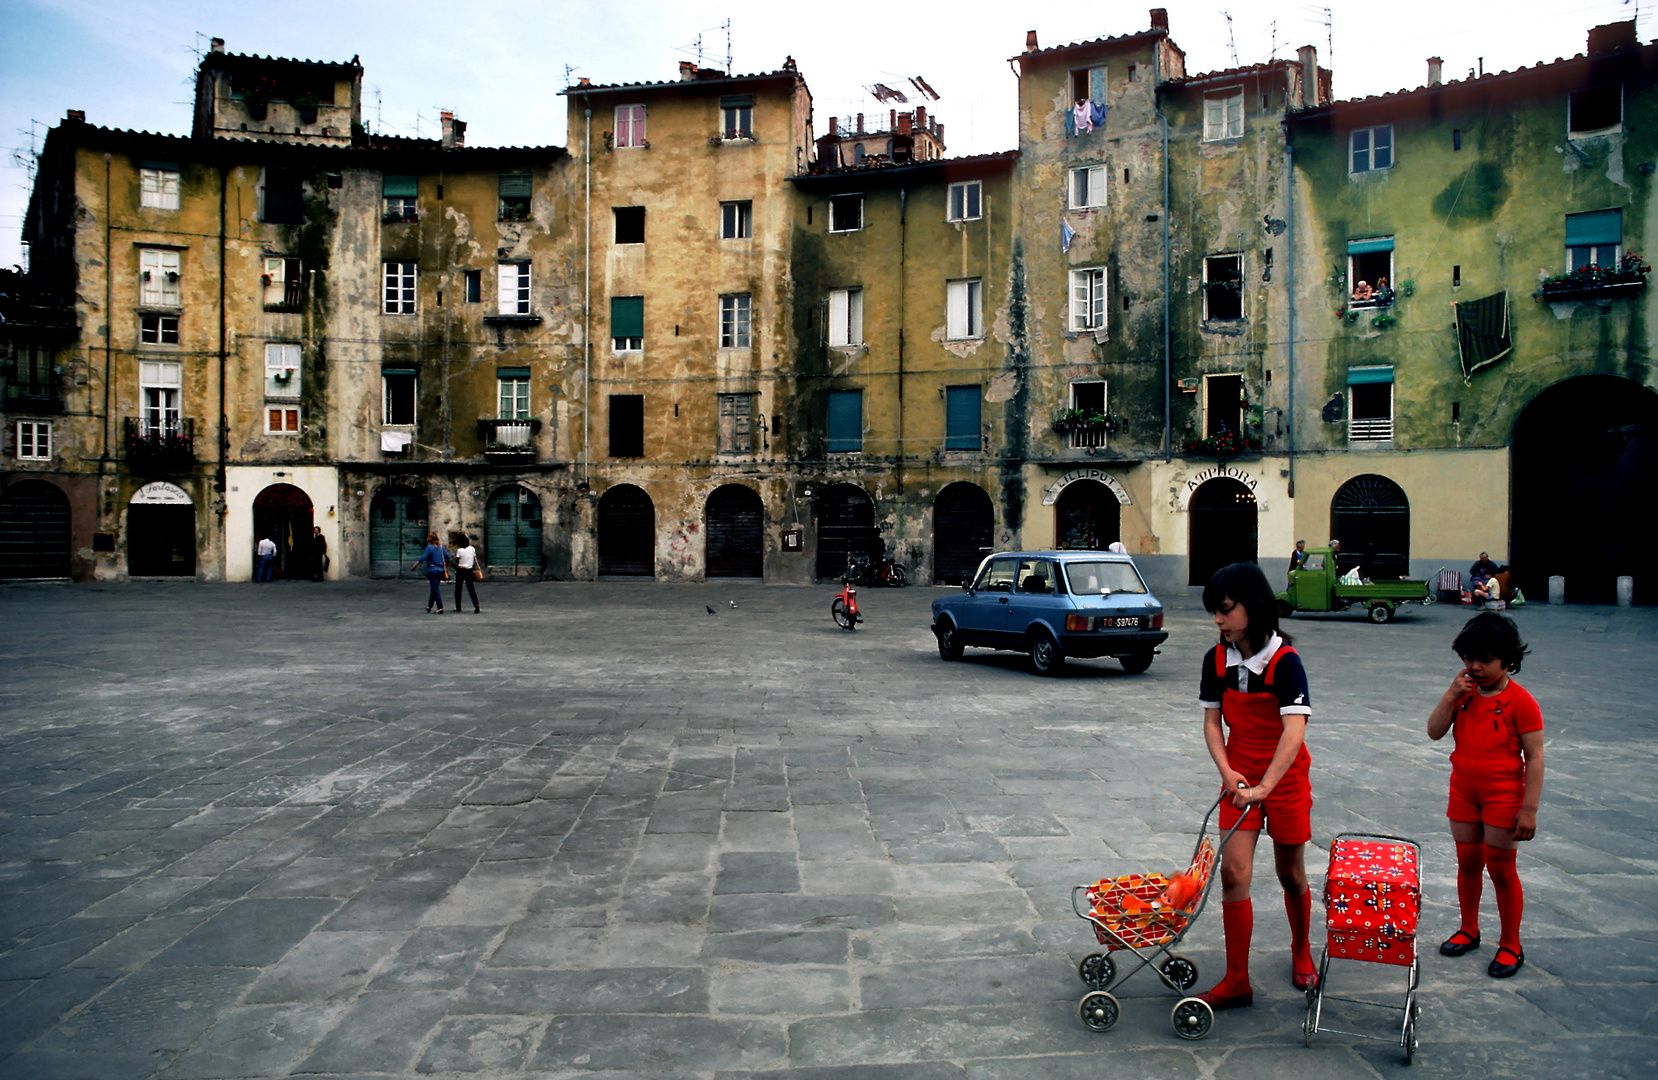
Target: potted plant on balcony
x=1078 y=419
x=306 y=105
x=1628 y=274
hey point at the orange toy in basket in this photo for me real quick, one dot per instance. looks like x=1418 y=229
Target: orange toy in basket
x=1132 y=906
x=1182 y=890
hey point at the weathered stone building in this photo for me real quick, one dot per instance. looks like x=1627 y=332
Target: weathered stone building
x=704 y=342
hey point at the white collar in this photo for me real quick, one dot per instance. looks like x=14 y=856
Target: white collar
x=1257 y=663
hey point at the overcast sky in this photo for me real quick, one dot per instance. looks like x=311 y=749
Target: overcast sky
x=499 y=66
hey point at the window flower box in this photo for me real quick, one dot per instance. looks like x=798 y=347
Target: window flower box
x=1627 y=278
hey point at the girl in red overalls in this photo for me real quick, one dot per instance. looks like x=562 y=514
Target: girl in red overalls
x=1496 y=780
x=1255 y=708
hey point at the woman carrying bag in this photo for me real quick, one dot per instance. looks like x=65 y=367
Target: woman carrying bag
x=466 y=568
x=436 y=560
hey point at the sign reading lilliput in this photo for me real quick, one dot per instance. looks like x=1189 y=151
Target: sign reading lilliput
x=1051 y=496
x=1217 y=472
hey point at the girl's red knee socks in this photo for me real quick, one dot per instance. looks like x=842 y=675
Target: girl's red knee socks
x=1238 y=922
x=1300 y=912
x=1511 y=899
x=1470 y=883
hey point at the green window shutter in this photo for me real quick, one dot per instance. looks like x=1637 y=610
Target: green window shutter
x=512 y=373
x=737 y=101
x=1364 y=376
x=1364 y=247
x=846 y=421
x=515 y=185
x=401 y=186
x=627 y=316
x=961 y=417
x=1600 y=227
x=398 y=369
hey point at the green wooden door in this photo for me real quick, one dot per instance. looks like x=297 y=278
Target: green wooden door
x=512 y=533
x=397 y=531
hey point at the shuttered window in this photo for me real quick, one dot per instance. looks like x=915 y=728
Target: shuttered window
x=846 y=422
x=736 y=423
x=515 y=196
x=627 y=323
x=846 y=316
x=962 y=409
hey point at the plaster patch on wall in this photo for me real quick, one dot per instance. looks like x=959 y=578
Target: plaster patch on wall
x=1002 y=387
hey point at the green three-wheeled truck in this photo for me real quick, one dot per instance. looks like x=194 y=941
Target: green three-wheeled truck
x=1317 y=587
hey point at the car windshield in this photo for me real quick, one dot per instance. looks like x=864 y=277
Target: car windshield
x=1096 y=577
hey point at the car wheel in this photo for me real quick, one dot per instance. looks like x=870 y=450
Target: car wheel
x=1380 y=613
x=1285 y=609
x=1135 y=663
x=949 y=640
x=1045 y=656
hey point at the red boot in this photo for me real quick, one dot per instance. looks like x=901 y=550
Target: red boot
x=1233 y=991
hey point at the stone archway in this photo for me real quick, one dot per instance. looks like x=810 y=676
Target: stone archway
x=1222 y=527
x=1087 y=516
x=627 y=533
x=34 y=531
x=735 y=534
x=283 y=513
x=1585 y=469
x=161 y=532
x=1370 y=515
x=846 y=526
x=964 y=532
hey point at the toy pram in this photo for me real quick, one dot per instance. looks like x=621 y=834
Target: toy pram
x=1121 y=912
x=1372 y=898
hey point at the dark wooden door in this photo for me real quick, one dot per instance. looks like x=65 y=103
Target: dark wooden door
x=736 y=533
x=964 y=527
x=1221 y=520
x=1371 y=517
x=161 y=540
x=627 y=533
x=34 y=531
x=845 y=524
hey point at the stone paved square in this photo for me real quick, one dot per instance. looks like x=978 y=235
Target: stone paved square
x=596 y=832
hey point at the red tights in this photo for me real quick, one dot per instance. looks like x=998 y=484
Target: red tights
x=1473 y=861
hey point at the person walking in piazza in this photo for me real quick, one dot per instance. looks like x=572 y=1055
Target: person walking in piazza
x=1496 y=780
x=1255 y=708
x=266 y=551
x=436 y=561
x=466 y=568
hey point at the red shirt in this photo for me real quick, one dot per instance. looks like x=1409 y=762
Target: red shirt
x=1488 y=729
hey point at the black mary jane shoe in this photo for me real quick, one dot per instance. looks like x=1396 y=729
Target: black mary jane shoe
x=1460 y=942
x=1500 y=970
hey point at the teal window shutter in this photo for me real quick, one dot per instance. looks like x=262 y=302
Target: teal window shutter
x=846 y=421
x=737 y=101
x=401 y=186
x=1599 y=227
x=627 y=316
x=515 y=185
x=512 y=373
x=961 y=417
x=1364 y=247
x=1365 y=376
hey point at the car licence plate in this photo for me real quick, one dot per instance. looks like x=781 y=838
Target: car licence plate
x=1135 y=621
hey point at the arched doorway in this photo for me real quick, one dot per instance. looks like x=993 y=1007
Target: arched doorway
x=735 y=533
x=1585 y=465
x=161 y=532
x=964 y=532
x=1087 y=516
x=34 y=531
x=512 y=533
x=397 y=529
x=1371 y=517
x=627 y=533
x=283 y=513
x=845 y=524
x=1222 y=528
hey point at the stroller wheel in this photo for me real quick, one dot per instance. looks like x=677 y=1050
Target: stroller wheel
x=1098 y=1011
x=1192 y=1018
x=1180 y=971
x=1097 y=970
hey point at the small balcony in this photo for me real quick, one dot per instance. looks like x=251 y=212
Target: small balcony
x=1377 y=429
x=166 y=445
x=509 y=440
x=33 y=399
x=284 y=295
x=1627 y=278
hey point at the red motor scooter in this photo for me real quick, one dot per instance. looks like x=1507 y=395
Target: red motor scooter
x=845 y=607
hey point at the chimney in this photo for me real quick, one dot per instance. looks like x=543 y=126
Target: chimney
x=1612 y=37
x=1435 y=65
x=454 y=131
x=75 y=116
x=218 y=45
x=1030 y=40
x=584 y=81
x=834 y=125
x=1309 y=75
x=1160 y=19
x=921 y=117
x=903 y=125
x=860 y=123
x=687 y=71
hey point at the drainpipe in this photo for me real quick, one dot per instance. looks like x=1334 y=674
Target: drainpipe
x=903 y=242
x=109 y=322
x=224 y=354
x=1289 y=288
x=587 y=313
x=1163 y=122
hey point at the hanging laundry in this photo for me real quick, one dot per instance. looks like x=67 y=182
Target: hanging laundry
x=1084 y=113
x=1096 y=114
x=1066 y=235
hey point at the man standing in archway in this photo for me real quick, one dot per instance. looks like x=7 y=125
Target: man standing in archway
x=267 y=559
x=319 y=553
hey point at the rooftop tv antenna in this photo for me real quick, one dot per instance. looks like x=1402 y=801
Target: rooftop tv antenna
x=1328 y=22
x=569 y=70
x=696 y=46
x=1231 y=42
x=1274 y=54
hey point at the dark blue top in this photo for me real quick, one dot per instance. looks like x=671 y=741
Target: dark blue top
x=434 y=557
x=1289 y=683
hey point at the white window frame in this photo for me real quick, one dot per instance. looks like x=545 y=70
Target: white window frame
x=736 y=321
x=841 y=198
x=160 y=272
x=399 y=293
x=1238 y=255
x=629 y=129
x=846 y=317
x=161 y=393
x=275 y=279
x=512 y=397
x=1371 y=429
x=1088 y=306
x=736 y=219
x=964 y=309
x=1082 y=438
x=282 y=363
x=1089 y=187
x=160 y=322
x=513 y=288
x=737 y=121
x=1223 y=115
x=1369 y=152
x=286 y=411
x=966 y=201
x=158 y=189
x=34 y=440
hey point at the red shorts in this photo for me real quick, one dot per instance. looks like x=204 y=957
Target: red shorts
x=1493 y=799
x=1288 y=810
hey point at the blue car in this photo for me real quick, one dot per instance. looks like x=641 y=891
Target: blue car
x=1054 y=604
